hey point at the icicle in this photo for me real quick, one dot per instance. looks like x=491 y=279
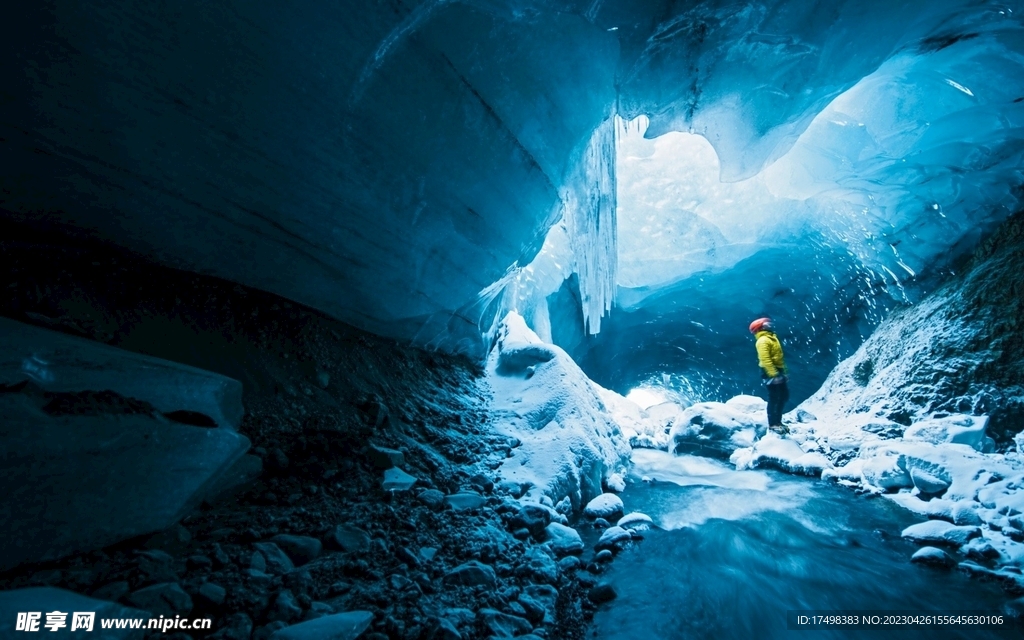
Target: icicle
x=589 y=213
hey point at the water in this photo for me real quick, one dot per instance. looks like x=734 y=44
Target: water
x=739 y=549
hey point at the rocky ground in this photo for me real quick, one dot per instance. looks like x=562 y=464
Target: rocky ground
x=328 y=409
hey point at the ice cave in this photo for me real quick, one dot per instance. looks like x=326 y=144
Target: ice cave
x=545 y=319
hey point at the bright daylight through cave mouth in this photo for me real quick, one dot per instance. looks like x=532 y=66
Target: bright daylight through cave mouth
x=545 y=319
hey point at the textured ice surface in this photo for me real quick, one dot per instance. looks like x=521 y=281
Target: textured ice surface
x=390 y=164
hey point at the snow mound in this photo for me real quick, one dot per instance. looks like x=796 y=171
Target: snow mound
x=569 y=429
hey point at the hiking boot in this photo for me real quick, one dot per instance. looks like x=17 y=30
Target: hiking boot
x=780 y=429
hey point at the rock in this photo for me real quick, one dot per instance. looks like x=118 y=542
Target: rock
x=471 y=574
x=503 y=625
x=604 y=555
x=397 y=480
x=601 y=523
x=569 y=563
x=237 y=626
x=339 y=626
x=544 y=595
x=300 y=549
x=240 y=476
x=166 y=599
x=156 y=566
x=459 y=617
x=564 y=540
x=940 y=532
x=613 y=538
x=1014 y=609
x=115 y=416
x=635 y=522
x=212 y=593
x=532 y=517
x=348 y=538
x=932 y=556
x=511 y=488
x=285 y=608
x=15 y=601
x=928 y=483
x=384 y=458
x=965 y=513
x=607 y=505
x=465 y=500
x=482 y=483
x=538 y=566
x=174 y=539
x=428 y=553
x=407 y=556
x=432 y=498
x=277 y=560
x=602 y=592
x=980 y=549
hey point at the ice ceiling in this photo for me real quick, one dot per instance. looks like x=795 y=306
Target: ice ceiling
x=400 y=164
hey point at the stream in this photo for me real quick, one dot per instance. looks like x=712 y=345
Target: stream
x=736 y=550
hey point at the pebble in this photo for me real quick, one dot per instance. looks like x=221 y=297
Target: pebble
x=539 y=566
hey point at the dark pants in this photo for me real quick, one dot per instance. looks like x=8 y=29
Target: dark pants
x=778 y=394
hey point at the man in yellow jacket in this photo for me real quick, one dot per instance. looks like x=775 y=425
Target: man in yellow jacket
x=773 y=370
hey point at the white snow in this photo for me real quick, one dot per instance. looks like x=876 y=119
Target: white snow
x=571 y=442
x=941 y=532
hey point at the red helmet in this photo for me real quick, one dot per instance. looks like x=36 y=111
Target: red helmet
x=758 y=324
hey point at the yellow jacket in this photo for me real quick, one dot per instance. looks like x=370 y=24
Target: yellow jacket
x=769 y=353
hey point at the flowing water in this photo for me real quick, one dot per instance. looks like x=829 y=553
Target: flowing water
x=738 y=549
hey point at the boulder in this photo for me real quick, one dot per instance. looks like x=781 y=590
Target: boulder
x=614 y=538
x=564 y=540
x=384 y=458
x=538 y=566
x=275 y=560
x=532 y=517
x=928 y=483
x=635 y=522
x=607 y=505
x=941 y=532
x=465 y=500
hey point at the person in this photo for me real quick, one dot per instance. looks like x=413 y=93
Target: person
x=773 y=370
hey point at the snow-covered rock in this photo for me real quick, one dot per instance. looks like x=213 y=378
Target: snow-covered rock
x=571 y=441
x=717 y=429
x=958 y=429
x=613 y=538
x=635 y=521
x=780 y=453
x=932 y=556
x=607 y=505
x=940 y=532
x=564 y=540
